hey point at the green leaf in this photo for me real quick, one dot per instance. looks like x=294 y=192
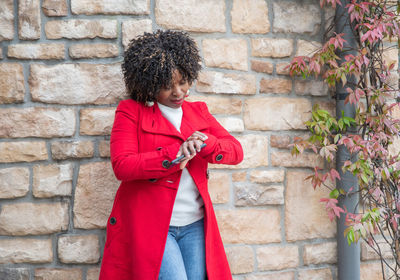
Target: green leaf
x=364 y=178
x=350 y=236
x=334 y=193
x=344 y=79
x=340 y=123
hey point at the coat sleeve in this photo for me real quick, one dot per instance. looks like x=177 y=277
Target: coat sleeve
x=222 y=148
x=127 y=162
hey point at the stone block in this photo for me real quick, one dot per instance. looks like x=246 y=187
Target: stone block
x=81 y=29
x=275 y=85
x=314 y=88
x=280 y=141
x=391 y=56
x=67 y=149
x=277 y=257
x=228 y=83
x=394 y=147
x=371 y=271
x=29 y=23
x=94 y=195
x=93 y=50
x=33 y=218
x=286 y=159
x=231 y=124
x=225 y=53
x=92 y=83
x=256 y=194
x=267 y=176
x=78 y=248
x=255 y=150
x=37 y=122
x=240 y=258
x=12 y=88
x=133 y=28
x=55 y=8
x=96 y=121
x=22 y=151
x=282 y=68
x=242 y=22
x=296 y=17
x=307 y=48
x=369 y=253
x=36 y=51
x=14 y=182
x=289 y=275
x=276 y=113
x=17 y=273
x=239 y=176
x=116 y=7
x=262 y=66
x=27 y=250
x=315 y=274
x=7 y=20
x=93 y=273
x=320 y=253
x=271 y=47
x=219 y=105
x=250 y=226
x=104 y=148
x=218 y=187
x=305 y=215
x=58 y=273
x=207 y=16
x=52 y=180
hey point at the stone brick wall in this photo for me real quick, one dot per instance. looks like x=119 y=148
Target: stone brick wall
x=60 y=81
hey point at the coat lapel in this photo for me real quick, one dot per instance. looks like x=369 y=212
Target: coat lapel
x=154 y=122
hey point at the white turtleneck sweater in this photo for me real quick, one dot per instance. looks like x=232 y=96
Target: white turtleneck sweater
x=188 y=206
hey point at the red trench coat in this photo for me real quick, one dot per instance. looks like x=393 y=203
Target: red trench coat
x=142 y=141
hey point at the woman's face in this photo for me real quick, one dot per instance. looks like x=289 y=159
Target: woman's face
x=173 y=97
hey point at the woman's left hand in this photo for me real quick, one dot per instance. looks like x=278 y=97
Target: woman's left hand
x=191 y=147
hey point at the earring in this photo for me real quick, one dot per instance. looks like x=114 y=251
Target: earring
x=149 y=103
x=187 y=93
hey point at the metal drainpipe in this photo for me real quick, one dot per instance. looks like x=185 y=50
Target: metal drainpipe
x=348 y=256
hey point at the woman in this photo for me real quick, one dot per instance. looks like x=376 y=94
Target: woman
x=162 y=225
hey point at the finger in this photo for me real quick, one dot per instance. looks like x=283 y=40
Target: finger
x=192 y=148
x=185 y=150
x=197 y=144
x=200 y=135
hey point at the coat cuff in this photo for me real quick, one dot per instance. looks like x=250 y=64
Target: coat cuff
x=210 y=142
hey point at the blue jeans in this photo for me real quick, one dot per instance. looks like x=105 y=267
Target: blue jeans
x=184 y=255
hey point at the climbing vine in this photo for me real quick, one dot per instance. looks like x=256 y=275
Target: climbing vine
x=371 y=83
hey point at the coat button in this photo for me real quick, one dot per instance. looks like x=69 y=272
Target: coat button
x=153 y=180
x=165 y=164
x=219 y=157
x=159 y=148
x=113 y=220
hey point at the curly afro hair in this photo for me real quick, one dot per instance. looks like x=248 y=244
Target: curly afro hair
x=151 y=59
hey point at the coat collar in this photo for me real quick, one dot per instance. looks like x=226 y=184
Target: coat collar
x=192 y=120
